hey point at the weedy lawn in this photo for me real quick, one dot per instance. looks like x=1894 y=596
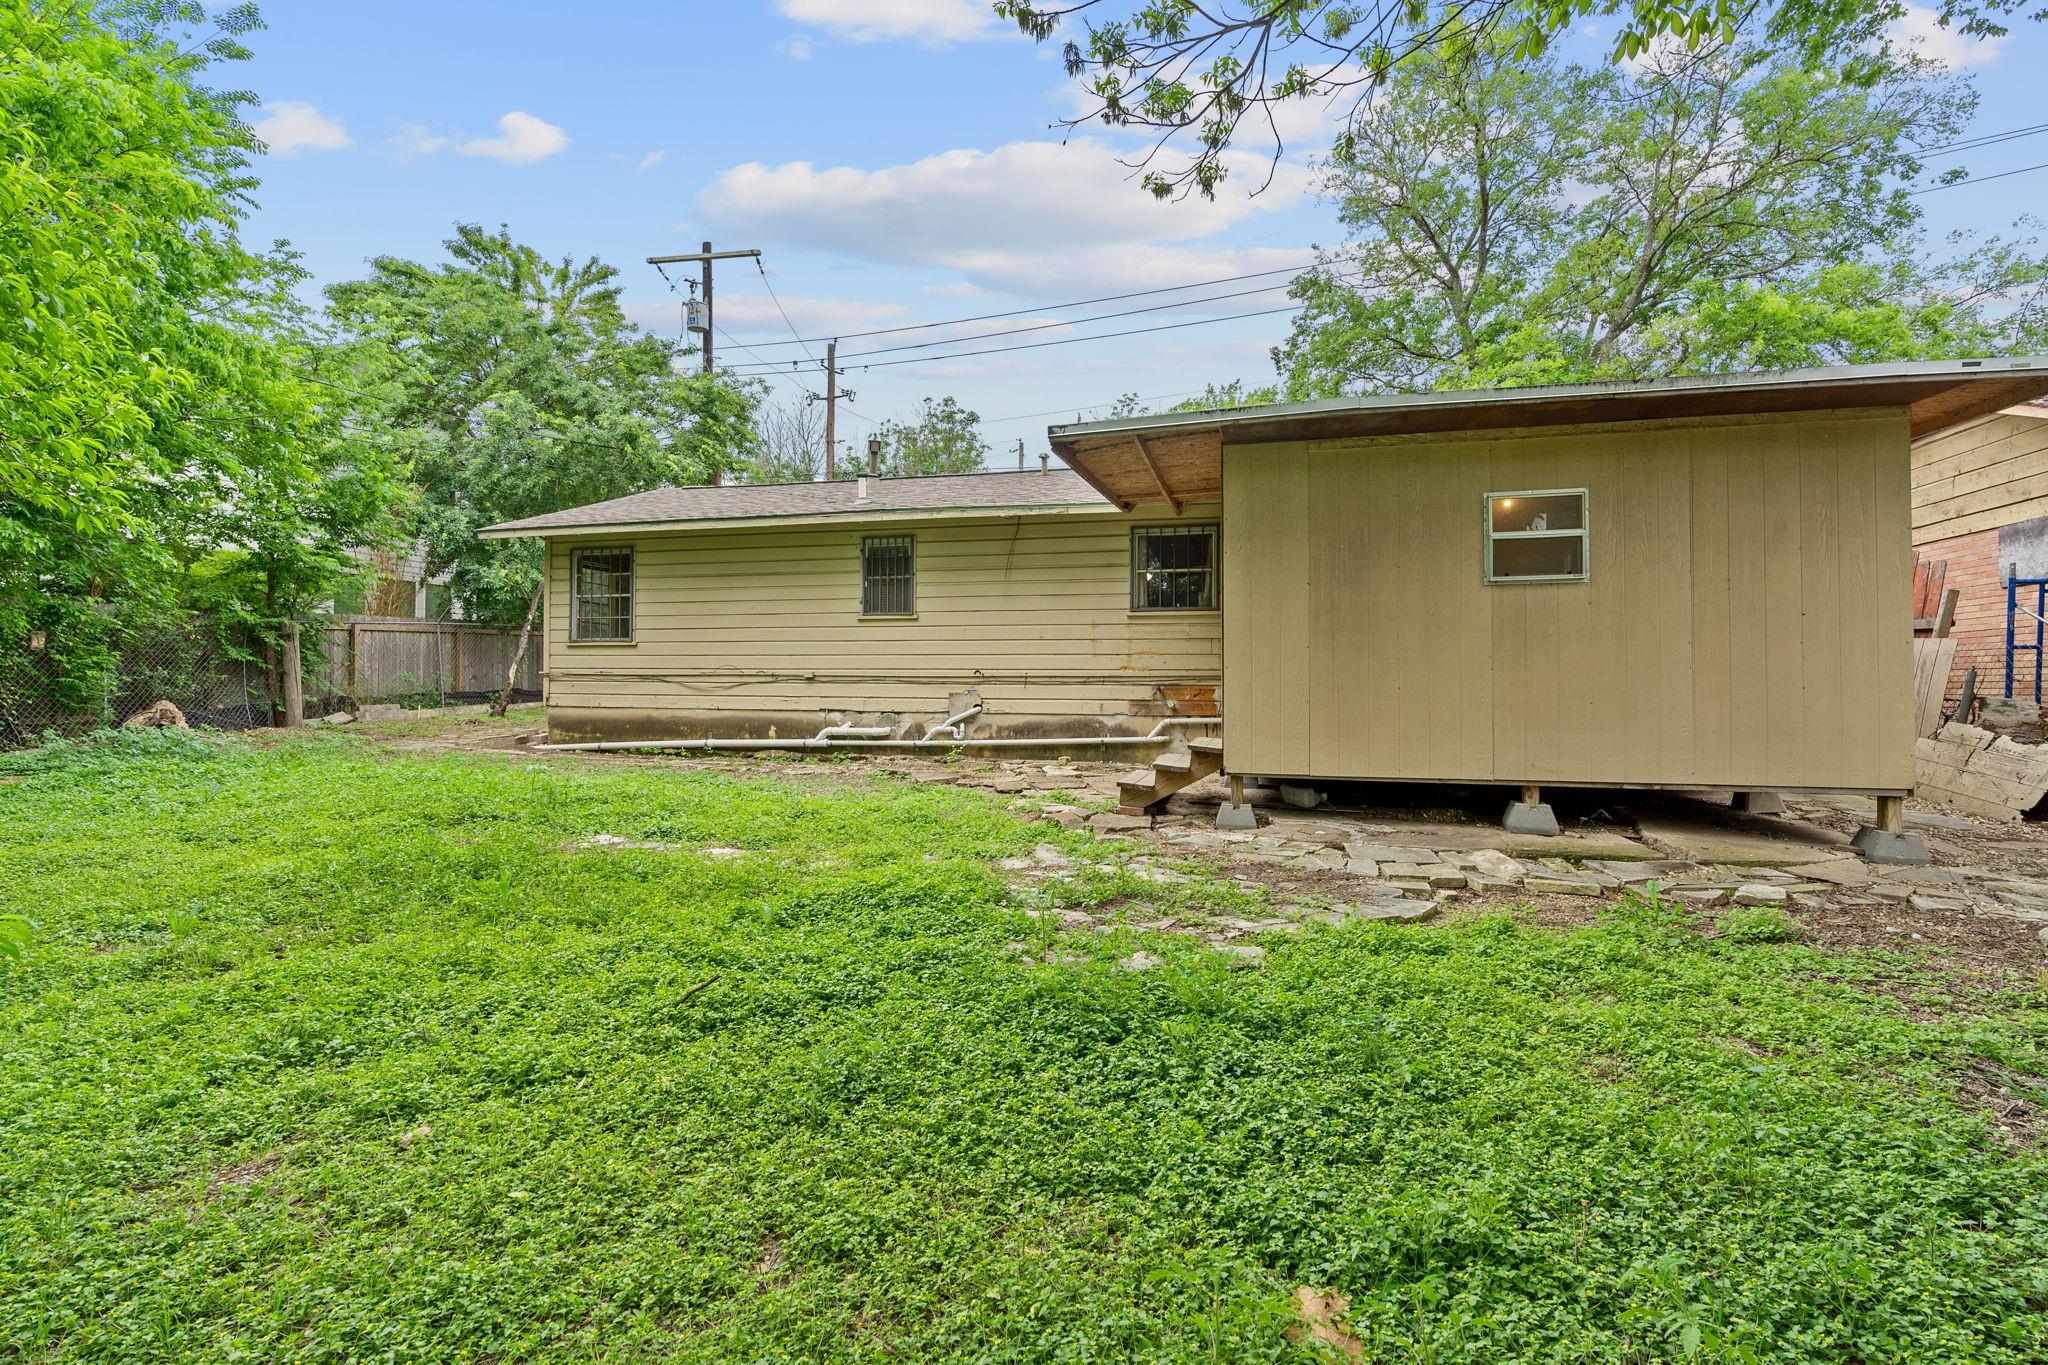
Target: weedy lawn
x=326 y=1052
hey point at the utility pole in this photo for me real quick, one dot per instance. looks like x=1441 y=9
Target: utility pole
x=831 y=404
x=1020 y=453
x=705 y=258
x=833 y=393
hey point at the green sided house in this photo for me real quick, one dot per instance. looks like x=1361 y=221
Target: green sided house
x=1695 y=583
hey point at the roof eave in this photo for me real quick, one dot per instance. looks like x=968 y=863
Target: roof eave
x=853 y=516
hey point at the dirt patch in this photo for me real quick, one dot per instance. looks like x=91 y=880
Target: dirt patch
x=2015 y=1102
x=1981 y=952
x=1320 y=1311
x=242 y=1173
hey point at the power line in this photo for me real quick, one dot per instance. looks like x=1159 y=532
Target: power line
x=1980 y=179
x=1046 y=307
x=1069 y=341
x=785 y=317
x=1063 y=322
x=1983 y=140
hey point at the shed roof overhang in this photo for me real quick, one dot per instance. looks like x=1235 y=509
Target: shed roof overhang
x=1178 y=458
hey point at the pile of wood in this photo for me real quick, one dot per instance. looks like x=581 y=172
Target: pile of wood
x=1980 y=772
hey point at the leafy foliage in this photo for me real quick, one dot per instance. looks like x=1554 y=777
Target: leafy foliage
x=1193 y=71
x=163 y=417
x=945 y=438
x=404 y=1074
x=1512 y=220
x=517 y=387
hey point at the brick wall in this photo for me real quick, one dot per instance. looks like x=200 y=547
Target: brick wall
x=1976 y=574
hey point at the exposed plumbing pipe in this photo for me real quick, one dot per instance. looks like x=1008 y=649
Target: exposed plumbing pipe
x=956 y=725
x=823 y=740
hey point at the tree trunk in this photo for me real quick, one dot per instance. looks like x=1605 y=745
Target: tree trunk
x=504 y=701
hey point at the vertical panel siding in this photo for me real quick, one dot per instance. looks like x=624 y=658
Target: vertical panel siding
x=1742 y=623
x=1035 y=611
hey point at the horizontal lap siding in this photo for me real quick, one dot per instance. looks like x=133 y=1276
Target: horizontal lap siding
x=1980 y=476
x=1032 y=611
x=1743 y=621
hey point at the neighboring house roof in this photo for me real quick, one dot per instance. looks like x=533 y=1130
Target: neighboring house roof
x=862 y=498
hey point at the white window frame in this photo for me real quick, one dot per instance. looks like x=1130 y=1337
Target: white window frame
x=1584 y=531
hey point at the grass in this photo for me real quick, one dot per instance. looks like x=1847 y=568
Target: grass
x=326 y=1053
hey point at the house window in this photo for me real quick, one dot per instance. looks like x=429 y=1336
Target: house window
x=1173 y=568
x=888 y=576
x=1537 y=536
x=601 y=595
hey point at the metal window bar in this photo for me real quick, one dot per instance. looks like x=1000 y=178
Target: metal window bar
x=888 y=575
x=1173 y=568
x=603 y=591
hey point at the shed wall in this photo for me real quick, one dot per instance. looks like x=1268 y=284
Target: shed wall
x=1743 y=623
x=737 y=627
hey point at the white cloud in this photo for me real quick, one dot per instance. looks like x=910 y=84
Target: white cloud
x=291 y=126
x=414 y=140
x=640 y=163
x=935 y=23
x=797 y=47
x=522 y=140
x=1919 y=30
x=1023 y=211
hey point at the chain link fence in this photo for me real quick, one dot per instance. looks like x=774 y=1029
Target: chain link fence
x=108 y=666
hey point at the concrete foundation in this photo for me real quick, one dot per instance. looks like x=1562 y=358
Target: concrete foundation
x=1304 y=798
x=1882 y=846
x=1527 y=817
x=1759 y=803
x=1235 y=817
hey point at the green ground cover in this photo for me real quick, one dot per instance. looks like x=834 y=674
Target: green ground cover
x=323 y=1051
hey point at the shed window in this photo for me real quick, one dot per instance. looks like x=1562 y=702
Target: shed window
x=601 y=593
x=1536 y=537
x=1173 y=568
x=888 y=576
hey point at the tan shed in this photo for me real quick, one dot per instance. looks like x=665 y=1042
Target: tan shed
x=1698 y=583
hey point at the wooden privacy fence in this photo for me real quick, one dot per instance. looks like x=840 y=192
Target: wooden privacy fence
x=376 y=658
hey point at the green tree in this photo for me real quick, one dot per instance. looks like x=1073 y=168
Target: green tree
x=1235 y=394
x=518 y=387
x=159 y=414
x=1512 y=220
x=945 y=438
x=1203 y=75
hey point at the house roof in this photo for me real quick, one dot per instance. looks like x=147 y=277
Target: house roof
x=864 y=499
x=1178 y=457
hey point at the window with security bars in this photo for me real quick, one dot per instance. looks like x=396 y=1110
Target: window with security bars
x=1173 y=568
x=601 y=595
x=888 y=576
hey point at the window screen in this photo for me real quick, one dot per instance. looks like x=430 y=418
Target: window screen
x=1173 y=568
x=888 y=576
x=601 y=593
x=1536 y=536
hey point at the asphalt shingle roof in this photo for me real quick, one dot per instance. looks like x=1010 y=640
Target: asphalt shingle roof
x=1001 y=492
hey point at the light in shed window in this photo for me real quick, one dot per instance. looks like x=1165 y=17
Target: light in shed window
x=1538 y=536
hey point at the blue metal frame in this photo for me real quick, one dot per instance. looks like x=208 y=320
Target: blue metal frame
x=2040 y=615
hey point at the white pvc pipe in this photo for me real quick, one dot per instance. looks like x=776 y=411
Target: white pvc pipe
x=954 y=725
x=858 y=737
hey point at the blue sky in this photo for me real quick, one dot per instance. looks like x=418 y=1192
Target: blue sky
x=893 y=159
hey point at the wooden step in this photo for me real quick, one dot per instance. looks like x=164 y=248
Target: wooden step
x=1138 y=792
